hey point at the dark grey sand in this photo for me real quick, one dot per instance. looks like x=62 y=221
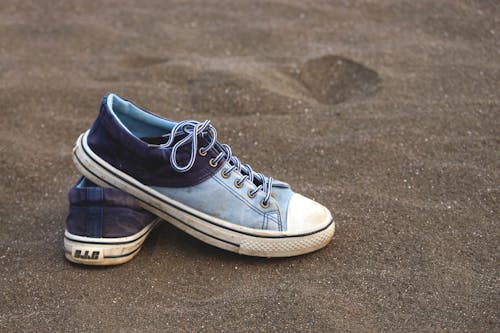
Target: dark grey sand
x=387 y=112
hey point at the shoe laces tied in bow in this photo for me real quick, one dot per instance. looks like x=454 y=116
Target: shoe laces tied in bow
x=191 y=130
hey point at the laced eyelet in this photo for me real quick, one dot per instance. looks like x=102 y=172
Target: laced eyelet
x=201 y=152
x=251 y=194
x=212 y=163
x=224 y=174
x=237 y=184
x=263 y=204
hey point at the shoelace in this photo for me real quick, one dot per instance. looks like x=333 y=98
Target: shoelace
x=193 y=129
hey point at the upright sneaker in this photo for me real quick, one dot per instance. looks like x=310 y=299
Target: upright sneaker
x=105 y=226
x=181 y=173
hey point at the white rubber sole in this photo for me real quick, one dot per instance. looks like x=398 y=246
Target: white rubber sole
x=214 y=231
x=105 y=251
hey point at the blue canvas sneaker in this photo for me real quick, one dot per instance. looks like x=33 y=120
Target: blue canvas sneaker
x=105 y=226
x=181 y=173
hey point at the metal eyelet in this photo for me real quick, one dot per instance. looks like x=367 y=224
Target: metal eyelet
x=237 y=185
x=224 y=174
x=212 y=163
x=201 y=152
x=251 y=195
x=264 y=205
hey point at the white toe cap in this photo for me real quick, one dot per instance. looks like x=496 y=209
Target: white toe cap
x=305 y=215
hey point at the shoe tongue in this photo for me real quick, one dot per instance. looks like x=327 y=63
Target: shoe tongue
x=154 y=140
x=159 y=140
x=203 y=139
x=256 y=181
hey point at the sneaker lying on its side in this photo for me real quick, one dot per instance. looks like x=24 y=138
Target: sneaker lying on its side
x=105 y=226
x=181 y=173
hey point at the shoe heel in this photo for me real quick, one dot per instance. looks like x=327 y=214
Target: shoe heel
x=104 y=251
x=98 y=254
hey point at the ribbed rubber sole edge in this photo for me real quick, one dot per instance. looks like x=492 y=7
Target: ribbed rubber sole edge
x=105 y=251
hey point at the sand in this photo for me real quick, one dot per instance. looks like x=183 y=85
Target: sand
x=387 y=112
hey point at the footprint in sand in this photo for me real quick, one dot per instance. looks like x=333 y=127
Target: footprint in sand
x=332 y=79
x=327 y=80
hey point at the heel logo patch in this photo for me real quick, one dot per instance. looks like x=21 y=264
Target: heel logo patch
x=87 y=254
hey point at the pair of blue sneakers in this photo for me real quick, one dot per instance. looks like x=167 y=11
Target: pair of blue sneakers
x=140 y=168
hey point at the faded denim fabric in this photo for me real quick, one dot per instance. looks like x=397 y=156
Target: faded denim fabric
x=104 y=212
x=219 y=197
x=150 y=165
